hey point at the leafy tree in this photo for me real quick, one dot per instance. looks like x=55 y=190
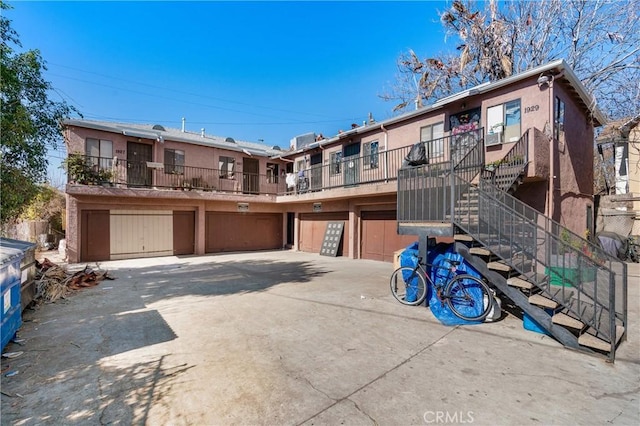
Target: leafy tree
x=600 y=40
x=30 y=121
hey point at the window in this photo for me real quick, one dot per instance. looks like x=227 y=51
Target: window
x=371 y=155
x=272 y=173
x=174 y=161
x=503 y=123
x=433 y=136
x=99 y=153
x=336 y=163
x=227 y=167
x=558 y=113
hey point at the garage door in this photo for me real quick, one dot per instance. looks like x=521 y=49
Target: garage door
x=184 y=232
x=141 y=233
x=313 y=227
x=379 y=236
x=242 y=231
x=94 y=243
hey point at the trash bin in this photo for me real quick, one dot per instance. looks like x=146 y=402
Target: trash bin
x=11 y=275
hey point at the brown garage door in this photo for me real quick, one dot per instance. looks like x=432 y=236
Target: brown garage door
x=313 y=227
x=242 y=231
x=184 y=231
x=379 y=236
x=95 y=236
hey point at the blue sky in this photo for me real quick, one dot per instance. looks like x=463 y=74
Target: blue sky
x=249 y=70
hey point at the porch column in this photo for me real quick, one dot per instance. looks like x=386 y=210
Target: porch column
x=200 y=228
x=353 y=239
x=296 y=232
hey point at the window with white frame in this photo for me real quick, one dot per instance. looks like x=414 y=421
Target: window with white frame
x=174 y=161
x=227 y=167
x=99 y=152
x=433 y=137
x=335 y=163
x=503 y=123
x=272 y=172
x=370 y=154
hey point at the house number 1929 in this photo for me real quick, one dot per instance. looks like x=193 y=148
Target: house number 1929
x=531 y=108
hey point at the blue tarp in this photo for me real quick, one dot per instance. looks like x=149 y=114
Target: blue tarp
x=436 y=256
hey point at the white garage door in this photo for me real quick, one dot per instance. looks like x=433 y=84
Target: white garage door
x=141 y=233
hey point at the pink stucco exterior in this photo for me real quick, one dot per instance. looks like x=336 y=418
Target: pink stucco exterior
x=558 y=181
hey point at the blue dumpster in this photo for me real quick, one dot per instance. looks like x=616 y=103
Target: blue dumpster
x=11 y=276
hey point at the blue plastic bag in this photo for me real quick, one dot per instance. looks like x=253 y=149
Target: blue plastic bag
x=409 y=257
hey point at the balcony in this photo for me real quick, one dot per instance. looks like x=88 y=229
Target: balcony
x=358 y=171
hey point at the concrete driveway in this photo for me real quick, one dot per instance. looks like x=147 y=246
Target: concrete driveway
x=295 y=338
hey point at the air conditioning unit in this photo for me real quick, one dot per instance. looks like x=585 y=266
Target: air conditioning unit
x=493 y=139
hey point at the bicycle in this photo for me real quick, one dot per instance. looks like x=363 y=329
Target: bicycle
x=468 y=297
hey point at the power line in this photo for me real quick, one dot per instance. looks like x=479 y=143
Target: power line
x=182 y=93
x=188 y=93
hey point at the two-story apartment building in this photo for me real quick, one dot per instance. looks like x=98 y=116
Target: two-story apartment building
x=169 y=191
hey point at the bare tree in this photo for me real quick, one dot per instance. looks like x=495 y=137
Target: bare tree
x=599 y=39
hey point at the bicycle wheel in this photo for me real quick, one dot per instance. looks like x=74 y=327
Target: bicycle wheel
x=408 y=286
x=468 y=297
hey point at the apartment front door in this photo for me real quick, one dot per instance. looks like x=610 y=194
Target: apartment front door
x=138 y=174
x=250 y=176
x=351 y=163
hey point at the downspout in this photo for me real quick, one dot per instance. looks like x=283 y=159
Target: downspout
x=552 y=149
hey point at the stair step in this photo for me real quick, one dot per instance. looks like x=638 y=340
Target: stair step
x=538 y=299
x=480 y=251
x=462 y=237
x=499 y=266
x=520 y=283
x=597 y=343
x=567 y=321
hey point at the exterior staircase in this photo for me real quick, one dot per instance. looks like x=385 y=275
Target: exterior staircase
x=569 y=287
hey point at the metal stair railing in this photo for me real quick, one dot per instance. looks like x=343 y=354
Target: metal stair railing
x=427 y=193
x=590 y=285
x=505 y=172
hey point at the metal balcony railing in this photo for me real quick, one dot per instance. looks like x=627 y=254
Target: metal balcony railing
x=428 y=193
x=506 y=171
x=122 y=173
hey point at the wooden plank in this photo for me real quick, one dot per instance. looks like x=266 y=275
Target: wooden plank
x=499 y=266
x=520 y=283
x=539 y=300
x=462 y=237
x=480 y=251
x=567 y=321
x=597 y=343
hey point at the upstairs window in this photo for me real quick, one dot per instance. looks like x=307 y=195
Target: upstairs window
x=336 y=163
x=227 y=167
x=503 y=123
x=174 y=161
x=371 y=155
x=433 y=137
x=99 y=152
x=272 y=173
